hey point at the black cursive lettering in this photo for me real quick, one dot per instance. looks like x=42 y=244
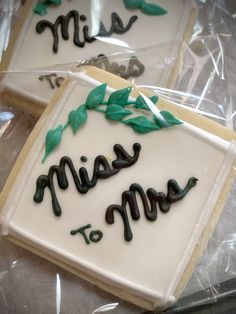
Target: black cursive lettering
x=94 y=236
x=174 y=194
x=135 y=67
x=102 y=170
x=81 y=230
x=50 y=78
x=63 y=21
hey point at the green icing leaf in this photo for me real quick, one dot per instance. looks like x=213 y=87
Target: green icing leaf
x=152 y=9
x=120 y=97
x=96 y=96
x=40 y=8
x=169 y=120
x=145 y=7
x=154 y=99
x=132 y=4
x=54 y=1
x=141 y=104
x=77 y=118
x=116 y=112
x=53 y=139
x=141 y=124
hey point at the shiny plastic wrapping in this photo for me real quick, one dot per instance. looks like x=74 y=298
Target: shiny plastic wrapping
x=194 y=69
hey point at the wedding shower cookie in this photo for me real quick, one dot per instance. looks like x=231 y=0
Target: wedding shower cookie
x=119 y=187
x=127 y=40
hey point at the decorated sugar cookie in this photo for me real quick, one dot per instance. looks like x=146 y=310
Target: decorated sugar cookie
x=128 y=38
x=126 y=187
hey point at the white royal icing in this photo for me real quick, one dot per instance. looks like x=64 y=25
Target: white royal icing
x=151 y=265
x=162 y=35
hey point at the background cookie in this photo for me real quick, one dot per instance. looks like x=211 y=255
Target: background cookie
x=148 y=46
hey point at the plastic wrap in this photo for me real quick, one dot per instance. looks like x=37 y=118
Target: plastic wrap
x=198 y=75
x=8 y=13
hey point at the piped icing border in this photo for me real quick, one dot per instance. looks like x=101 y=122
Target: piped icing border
x=168 y=296
x=94 y=270
x=205 y=214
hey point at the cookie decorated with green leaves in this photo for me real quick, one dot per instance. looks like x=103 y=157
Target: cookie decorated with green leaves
x=129 y=38
x=127 y=188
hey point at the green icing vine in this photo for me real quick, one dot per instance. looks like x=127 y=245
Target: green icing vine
x=145 y=7
x=41 y=8
x=114 y=109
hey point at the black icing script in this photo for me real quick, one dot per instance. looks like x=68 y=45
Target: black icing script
x=134 y=68
x=174 y=194
x=102 y=170
x=52 y=79
x=63 y=21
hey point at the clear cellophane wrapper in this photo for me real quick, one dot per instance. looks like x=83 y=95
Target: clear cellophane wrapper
x=198 y=75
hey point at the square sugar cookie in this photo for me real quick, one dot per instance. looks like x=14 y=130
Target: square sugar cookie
x=140 y=42
x=117 y=191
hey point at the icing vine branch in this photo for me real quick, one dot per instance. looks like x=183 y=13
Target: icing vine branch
x=147 y=8
x=116 y=108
